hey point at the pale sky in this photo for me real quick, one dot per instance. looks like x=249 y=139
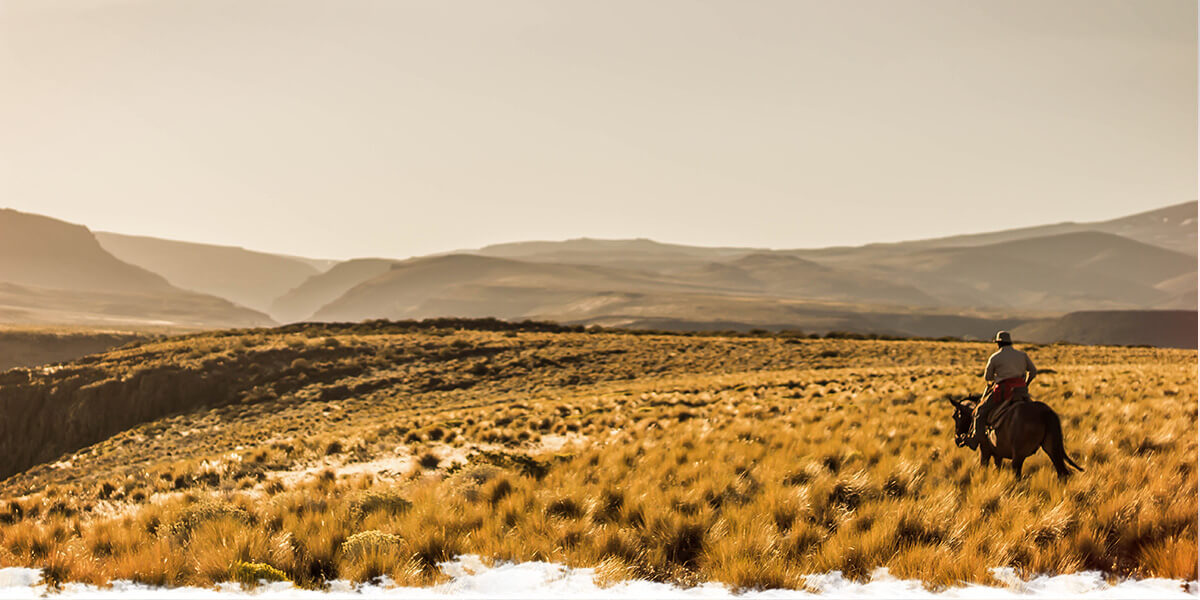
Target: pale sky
x=351 y=128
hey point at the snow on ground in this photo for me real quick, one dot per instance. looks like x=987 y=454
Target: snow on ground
x=470 y=578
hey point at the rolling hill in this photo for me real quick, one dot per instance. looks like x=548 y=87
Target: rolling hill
x=794 y=277
x=300 y=302
x=590 y=250
x=468 y=285
x=47 y=253
x=252 y=279
x=1161 y=328
x=57 y=272
x=958 y=286
x=1172 y=227
x=1062 y=272
x=1069 y=271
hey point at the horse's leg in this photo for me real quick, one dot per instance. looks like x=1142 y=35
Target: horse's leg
x=1060 y=467
x=998 y=460
x=1017 y=462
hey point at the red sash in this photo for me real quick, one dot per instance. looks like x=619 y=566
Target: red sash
x=1005 y=387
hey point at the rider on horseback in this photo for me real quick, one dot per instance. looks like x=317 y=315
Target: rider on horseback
x=1006 y=375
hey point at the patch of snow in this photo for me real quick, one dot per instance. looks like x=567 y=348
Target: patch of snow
x=18 y=577
x=555 y=443
x=470 y=577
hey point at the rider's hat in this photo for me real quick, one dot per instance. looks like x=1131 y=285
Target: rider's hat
x=1003 y=336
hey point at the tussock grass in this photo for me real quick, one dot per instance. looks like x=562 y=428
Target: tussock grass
x=750 y=461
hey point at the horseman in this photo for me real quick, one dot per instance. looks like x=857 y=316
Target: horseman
x=1008 y=373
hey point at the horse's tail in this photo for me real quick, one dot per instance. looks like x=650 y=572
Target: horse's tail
x=1055 y=448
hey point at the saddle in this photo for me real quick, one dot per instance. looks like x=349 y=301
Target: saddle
x=1000 y=413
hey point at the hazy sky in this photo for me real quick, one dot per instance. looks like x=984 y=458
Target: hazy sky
x=342 y=129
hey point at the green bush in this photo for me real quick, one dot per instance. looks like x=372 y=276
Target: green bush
x=253 y=573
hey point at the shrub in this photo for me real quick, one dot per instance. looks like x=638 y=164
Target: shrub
x=253 y=573
x=566 y=508
x=363 y=542
x=372 y=501
x=195 y=515
x=429 y=460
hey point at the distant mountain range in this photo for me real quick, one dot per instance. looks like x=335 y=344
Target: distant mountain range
x=969 y=285
x=1163 y=328
x=56 y=272
x=252 y=279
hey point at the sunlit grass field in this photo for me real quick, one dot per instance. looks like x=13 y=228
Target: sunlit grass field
x=358 y=452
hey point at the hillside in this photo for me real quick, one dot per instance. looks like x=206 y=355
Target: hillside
x=57 y=273
x=912 y=293
x=465 y=285
x=251 y=279
x=26 y=347
x=326 y=452
x=596 y=251
x=1065 y=272
x=47 y=253
x=1163 y=328
x=1172 y=228
x=300 y=302
x=793 y=277
x=952 y=286
x=703 y=312
x=175 y=310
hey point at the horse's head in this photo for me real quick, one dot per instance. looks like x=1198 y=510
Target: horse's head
x=963 y=412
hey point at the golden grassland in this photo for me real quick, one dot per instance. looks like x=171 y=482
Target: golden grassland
x=746 y=460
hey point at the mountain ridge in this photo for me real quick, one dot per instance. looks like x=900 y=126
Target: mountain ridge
x=1022 y=274
x=56 y=272
x=246 y=277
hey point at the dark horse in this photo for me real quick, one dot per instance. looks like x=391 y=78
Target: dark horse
x=1026 y=427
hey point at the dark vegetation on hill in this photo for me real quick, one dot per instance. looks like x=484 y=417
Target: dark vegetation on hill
x=31 y=347
x=783 y=317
